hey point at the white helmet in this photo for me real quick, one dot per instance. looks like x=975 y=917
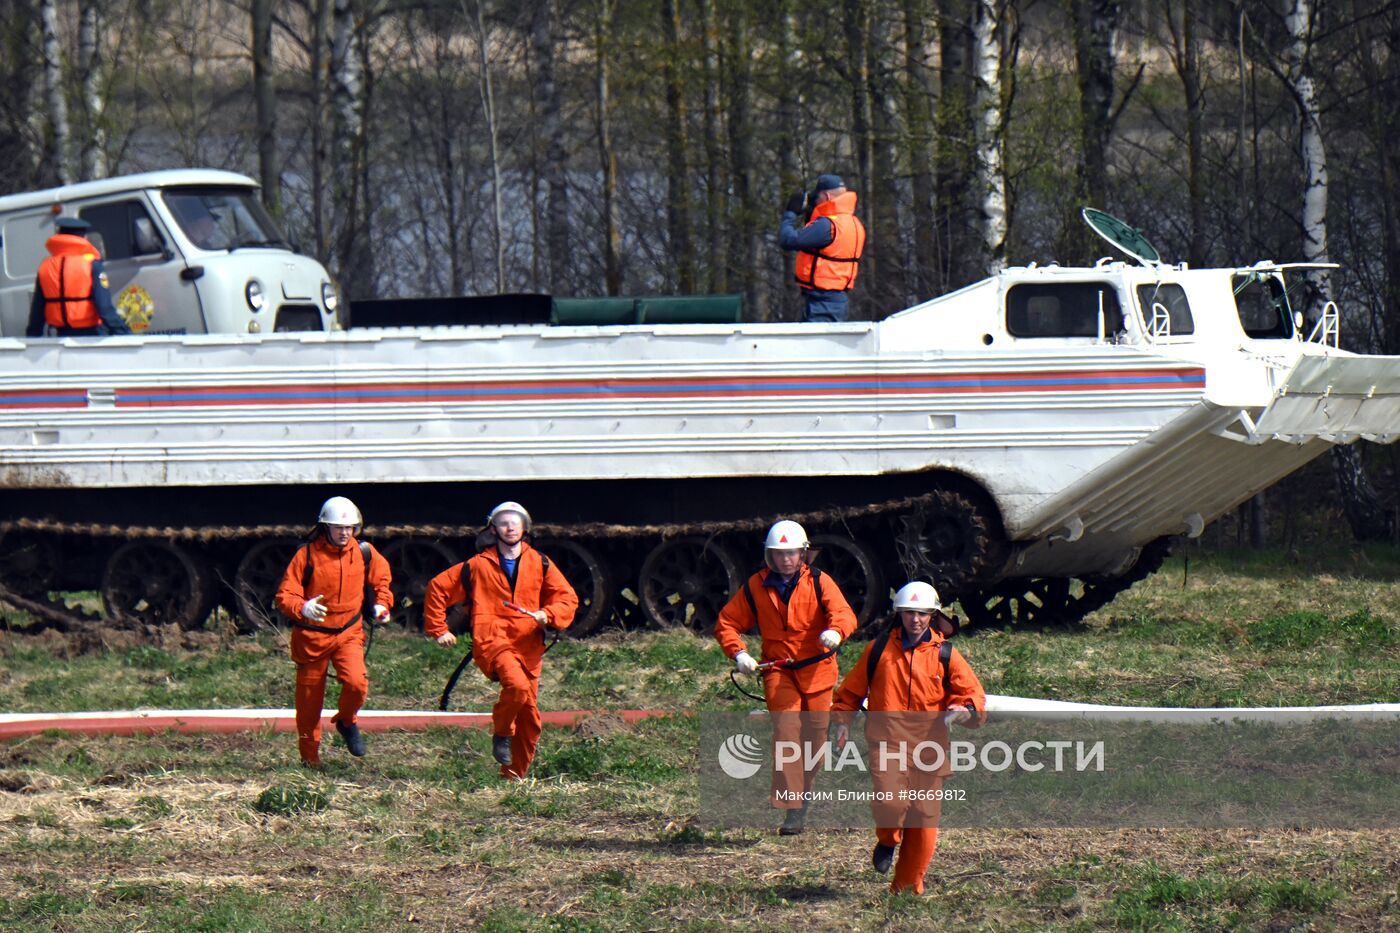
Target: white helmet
x=508 y=506
x=917 y=595
x=338 y=510
x=786 y=536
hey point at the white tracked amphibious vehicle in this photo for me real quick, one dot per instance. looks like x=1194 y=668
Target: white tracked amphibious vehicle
x=1043 y=426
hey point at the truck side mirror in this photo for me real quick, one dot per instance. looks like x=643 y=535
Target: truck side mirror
x=145 y=238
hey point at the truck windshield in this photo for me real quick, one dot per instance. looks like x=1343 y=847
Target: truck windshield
x=222 y=218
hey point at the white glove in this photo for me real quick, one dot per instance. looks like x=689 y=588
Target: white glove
x=313 y=610
x=447 y=639
x=957 y=716
x=381 y=614
x=830 y=639
x=843 y=734
x=540 y=616
x=745 y=663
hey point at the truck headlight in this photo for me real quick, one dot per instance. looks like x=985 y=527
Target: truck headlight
x=254 y=293
x=328 y=296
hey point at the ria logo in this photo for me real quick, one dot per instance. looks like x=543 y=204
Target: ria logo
x=741 y=756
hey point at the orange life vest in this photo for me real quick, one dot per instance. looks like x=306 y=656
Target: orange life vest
x=65 y=278
x=834 y=267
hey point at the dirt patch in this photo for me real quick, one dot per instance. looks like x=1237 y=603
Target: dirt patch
x=600 y=726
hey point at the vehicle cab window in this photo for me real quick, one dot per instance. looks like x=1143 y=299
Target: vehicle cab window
x=1262 y=303
x=222 y=218
x=125 y=229
x=1063 y=309
x=1171 y=298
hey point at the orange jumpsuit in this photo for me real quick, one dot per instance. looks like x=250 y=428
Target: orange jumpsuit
x=797 y=699
x=908 y=691
x=507 y=645
x=337 y=574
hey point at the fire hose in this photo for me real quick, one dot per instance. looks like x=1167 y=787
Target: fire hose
x=467 y=658
x=782 y=664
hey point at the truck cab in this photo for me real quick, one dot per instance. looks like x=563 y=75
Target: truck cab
x=187 y=251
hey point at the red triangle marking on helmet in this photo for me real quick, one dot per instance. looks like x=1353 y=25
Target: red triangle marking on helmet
x=782 y=539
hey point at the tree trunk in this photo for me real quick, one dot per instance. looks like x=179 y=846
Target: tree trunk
x=59 y=139
x=19 y=63
x=746 y=256
x=551 y=130
x=677 y=176
x=1185 y=54
x=488 y=109
x=1368 y=519
x=346 y=134
x=714 y=186
x=888 y=290
x=320 y=27
x=919 y=116
x=791 y=150
x=856 y=20
x=607 y=157
x=956 y=231
x=92 y=159
x=265 y=97
x=1096 y=32
x=991 y=119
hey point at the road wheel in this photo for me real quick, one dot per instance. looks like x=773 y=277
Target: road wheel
x=157 y=583
x=256 y=579
x=588 y=575
x=685 y=581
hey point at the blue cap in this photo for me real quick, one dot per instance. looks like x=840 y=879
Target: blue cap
x=72 y=225
x=827 y=182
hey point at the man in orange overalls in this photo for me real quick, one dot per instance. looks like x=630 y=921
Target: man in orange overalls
x=914 y=698
x=515 y=593
x=323 y=593
x=802 y=617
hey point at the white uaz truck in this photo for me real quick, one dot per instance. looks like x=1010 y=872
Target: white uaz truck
x=187 y=251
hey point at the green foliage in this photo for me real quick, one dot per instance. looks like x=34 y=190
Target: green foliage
x=1308 y=629
x=281 y=800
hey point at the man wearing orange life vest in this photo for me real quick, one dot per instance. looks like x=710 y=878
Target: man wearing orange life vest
x=828 y=247
x=71 y=296
x=802 y=616
x=323 y=593
x=921 y=686
x=514 y=594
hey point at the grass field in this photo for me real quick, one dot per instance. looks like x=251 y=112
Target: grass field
x=225 y=833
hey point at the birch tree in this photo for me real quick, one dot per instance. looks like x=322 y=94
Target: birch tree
x=1367 y=517
x=354 y=259
x=991 y=119
x=92 y=157
x=59 y=138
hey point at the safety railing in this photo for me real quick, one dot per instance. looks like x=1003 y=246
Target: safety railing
x=1161 y=326
x=1327 y=330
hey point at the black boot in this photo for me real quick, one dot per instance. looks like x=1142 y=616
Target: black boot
x=500 y=749
x=882 y=858
x=354 y=742
x=794 y=821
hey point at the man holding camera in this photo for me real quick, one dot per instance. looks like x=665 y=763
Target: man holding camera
x=828 y=247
